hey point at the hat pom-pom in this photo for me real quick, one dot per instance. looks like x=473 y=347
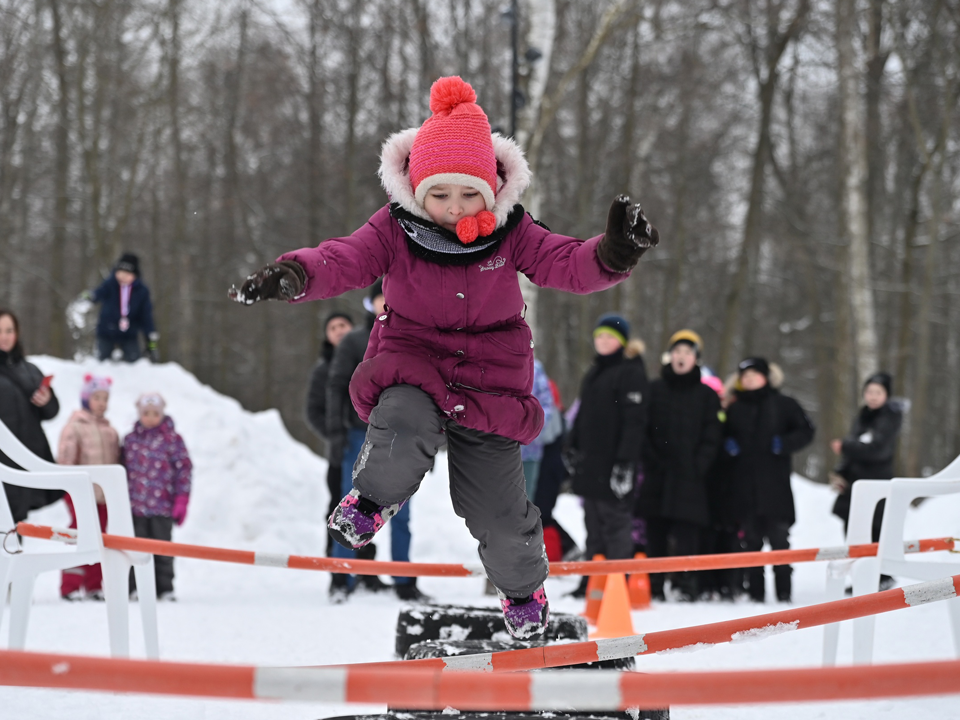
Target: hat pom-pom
x=468 y=229
x=448 y=92
x=87 y=378
x=486 y=222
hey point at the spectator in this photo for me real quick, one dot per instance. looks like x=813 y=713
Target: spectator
x=723 y=534
x=556 y=540
x=763 y=430
x=866 y=453
x=606 y=440
x=346 y=430
x=335 y=329
x=125 y=313
x=159 y=473
x=88 y=438
x=532 y=454
x=683 y=436
x=25 y=401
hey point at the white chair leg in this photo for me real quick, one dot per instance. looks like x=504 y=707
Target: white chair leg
x=953 y=607
x=21 y=594
x=6 y=565
x=147 y=595
x=836 y=581
x=866 y=580
x=116 y=590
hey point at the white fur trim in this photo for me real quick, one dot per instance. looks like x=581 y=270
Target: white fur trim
x=395 y=174
x=455 y=179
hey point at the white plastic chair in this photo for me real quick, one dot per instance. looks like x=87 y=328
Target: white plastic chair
x=891 y=558
x=21 y=569
x=115 y=564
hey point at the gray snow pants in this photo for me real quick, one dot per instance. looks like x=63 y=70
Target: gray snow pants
x=405 y=431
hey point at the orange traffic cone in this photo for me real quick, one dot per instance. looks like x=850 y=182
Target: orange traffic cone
x=595 y=585
x=639 y=587
x=614 y=620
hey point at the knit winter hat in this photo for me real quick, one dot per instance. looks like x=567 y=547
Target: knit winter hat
x=686 y=336
x=375 y=290
x=455 y=146
x=92 y=384
x=758 y=364
x=152 y=399
x=615 y=325
x=884 y=379
x=128 y=262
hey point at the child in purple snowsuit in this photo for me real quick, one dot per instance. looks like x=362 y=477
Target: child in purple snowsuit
x=158 y=476
x=450 y=359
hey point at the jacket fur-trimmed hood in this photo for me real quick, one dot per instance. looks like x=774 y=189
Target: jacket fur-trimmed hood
x=513 y=174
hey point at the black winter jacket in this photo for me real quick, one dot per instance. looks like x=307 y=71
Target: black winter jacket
x=868 y=449
x=341 y=415
x=140 y=311
x=317 y=393
x=19 y=379
x=761 y=478
x=683 y=436
x=610 y=424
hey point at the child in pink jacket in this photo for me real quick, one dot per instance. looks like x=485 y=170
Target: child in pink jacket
x=450 y=359
x=88 y=439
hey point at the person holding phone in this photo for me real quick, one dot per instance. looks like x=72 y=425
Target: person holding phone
x=25 y=402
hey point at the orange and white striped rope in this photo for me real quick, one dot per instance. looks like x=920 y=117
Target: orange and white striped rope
x=404 y=569
x=757 y=627
x=427 y=689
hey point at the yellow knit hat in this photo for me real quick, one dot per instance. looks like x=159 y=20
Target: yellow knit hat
x=687 y=336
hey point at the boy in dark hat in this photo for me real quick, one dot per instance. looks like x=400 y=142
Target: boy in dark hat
x=606 y=439
x=335 y=328
x=763 y=430
x=125 y=312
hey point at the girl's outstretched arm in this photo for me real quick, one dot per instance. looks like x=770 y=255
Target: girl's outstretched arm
x=578 y=266
x=330 y=269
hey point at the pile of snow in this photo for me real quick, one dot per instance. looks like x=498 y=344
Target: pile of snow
x=257 y=488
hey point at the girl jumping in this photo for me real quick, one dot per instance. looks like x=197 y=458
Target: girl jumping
x=450 y=359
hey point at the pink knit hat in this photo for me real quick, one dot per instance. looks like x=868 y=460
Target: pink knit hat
x=92 y=384
x=455 y=146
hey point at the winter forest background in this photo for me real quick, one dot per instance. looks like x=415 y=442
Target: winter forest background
x=800 y=158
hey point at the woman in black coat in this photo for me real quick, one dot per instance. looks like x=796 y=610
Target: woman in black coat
x=683 y=438
x=606 y=439
x=24 y=403
x=867 y=452
x=764 y=429
x=336 y=326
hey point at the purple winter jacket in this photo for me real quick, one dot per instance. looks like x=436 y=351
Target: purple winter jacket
x=158 y=468
x=455 y=331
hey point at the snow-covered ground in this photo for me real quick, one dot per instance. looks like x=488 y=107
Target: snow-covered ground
x=256 y=488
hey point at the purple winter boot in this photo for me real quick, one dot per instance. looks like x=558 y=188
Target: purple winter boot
x=357 y=519
x=526 y=617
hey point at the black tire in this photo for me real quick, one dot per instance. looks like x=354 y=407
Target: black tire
x=450 y=622
x=450 y=648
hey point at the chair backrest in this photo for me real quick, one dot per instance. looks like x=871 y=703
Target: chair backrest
x=111 y=478
x=863 y=501
x=18 y=452
x=77 y=484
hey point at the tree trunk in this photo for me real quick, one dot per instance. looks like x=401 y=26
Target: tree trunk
x=853 y=201
x=60 y=179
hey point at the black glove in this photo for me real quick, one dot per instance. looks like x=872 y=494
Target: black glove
x=282 y=280
x=571 y=460
x=622 y=478
x=627 y=237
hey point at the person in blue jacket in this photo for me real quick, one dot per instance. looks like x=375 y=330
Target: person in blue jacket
x=125 y=312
